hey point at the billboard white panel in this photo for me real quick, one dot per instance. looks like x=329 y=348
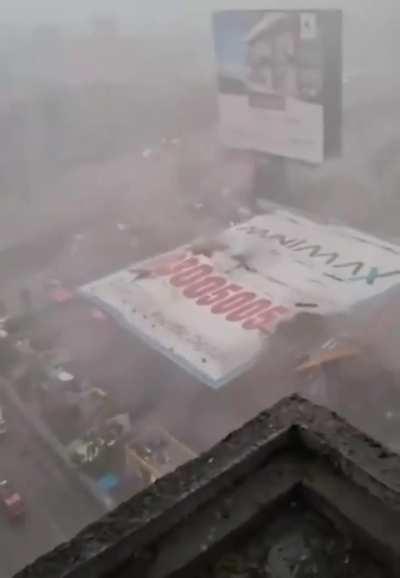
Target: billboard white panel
x=212 y=307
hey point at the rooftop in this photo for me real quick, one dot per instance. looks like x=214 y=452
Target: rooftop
x=295 y=492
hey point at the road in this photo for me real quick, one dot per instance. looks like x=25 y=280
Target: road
x=56 y=507
x=88 y=239
x=95 y=222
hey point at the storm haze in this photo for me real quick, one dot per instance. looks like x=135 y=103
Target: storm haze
x=112 y=156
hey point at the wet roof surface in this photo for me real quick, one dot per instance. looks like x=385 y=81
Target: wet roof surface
x=296 y=542
x=264 y=502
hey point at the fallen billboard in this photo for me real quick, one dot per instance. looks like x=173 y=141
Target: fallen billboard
x=280 y=81
x=212 y=306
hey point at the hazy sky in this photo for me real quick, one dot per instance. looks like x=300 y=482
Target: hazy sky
x=136 y=13
x=29 y=11
x=38 y=11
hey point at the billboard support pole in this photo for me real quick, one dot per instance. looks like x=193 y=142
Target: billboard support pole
x=270 y=179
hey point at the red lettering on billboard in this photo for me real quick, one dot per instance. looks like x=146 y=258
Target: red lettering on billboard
x=219 y=295
x=233 y=302
x=214 y=291
x=191 y=275
x=267 y=320
x=249 y=310
x=204 y=287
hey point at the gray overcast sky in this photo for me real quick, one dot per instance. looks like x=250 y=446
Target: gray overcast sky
x=41 y=11
x=136 y=13
x=28 y=11
x=37 y=11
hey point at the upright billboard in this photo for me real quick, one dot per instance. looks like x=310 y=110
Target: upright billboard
x=280 y=81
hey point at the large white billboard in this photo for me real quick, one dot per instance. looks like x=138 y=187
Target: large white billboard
x=279 y=77
x=212 y=306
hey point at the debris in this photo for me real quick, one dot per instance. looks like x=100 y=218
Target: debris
x=75 y=243
x=64 y=376
x=108 y=483
x=98 y=315
x=199 y=206
x=330 y=344
x=304 y=557
x=24 y=346
x=284 y=557
x=61 y=295
x=147 y=153
x=327 y=355
x=122 y=422
x=141 y=274
x=175 y=141
x=207 y=248
x=392 y=415
x=122 y=227
x=307 y=305
x=3 y=334
x=243 y=263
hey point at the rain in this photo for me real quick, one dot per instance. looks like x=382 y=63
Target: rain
x=166 y=275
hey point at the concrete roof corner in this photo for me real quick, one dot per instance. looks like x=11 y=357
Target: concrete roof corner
x=108 y=545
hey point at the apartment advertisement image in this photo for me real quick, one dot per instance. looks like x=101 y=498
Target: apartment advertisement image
x=279 y=88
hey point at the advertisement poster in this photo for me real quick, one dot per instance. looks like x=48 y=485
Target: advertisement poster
x=212 y=308
x=280 y=85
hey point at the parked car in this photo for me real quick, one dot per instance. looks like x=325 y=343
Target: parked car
x=12 y=502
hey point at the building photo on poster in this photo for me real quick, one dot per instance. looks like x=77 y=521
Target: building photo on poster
x=280 y=82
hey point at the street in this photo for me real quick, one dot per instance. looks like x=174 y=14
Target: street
x=140 y=209
x=114 y=157
x=56 y=508
x=84 y=243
